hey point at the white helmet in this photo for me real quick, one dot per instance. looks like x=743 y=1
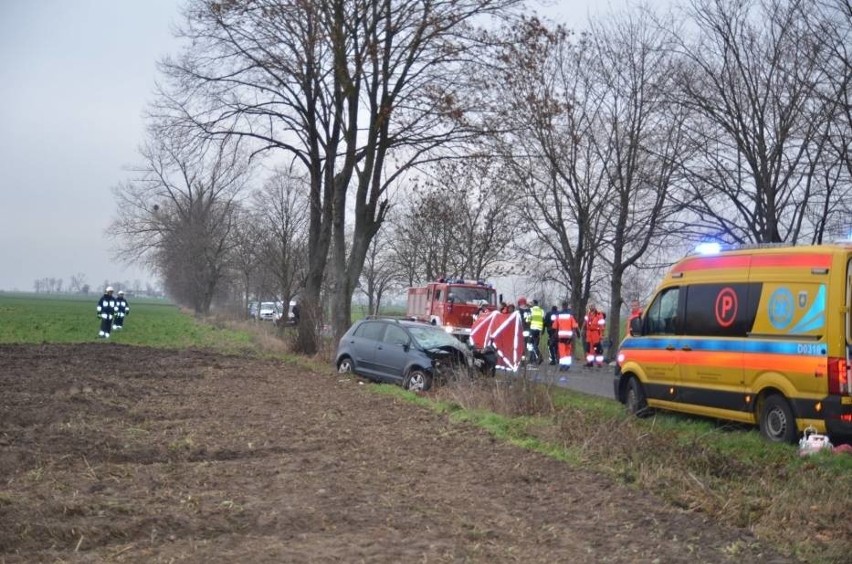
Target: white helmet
x=109 y=289
x=121 y=292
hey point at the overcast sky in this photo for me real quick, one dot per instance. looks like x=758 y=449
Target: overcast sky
x=75 y=77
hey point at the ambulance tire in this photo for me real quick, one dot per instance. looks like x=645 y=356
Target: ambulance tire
x=635 y=398
x=777 y=423
x=417 y=380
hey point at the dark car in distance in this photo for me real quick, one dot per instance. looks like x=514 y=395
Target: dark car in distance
x=408 y=353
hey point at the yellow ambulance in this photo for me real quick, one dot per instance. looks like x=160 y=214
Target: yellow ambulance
x=760 y=336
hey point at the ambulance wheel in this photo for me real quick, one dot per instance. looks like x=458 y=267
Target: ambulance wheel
x=777 y=423
x=635 y=398
x=417 y=381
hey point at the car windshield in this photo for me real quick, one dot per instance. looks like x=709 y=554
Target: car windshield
x=267 y=305
x=430 y=337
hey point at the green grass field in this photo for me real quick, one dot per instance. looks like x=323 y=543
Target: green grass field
x=32 y=318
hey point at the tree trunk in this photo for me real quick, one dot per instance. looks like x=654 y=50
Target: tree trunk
x=310 y=318
x=615 y=299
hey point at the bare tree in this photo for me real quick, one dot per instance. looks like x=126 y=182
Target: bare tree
x=639 y=136
x=480 y=198
x=379 y=275
x=751 y=77
x=461 y=222
x=830 y=160
x=422 y=240
x=545 y=138
x=49 y=285
x=178 y=213
x=282 y=214
x=246 y=252
x=77 y=282
x=342 y=86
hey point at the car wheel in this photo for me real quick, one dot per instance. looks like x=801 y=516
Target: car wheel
x=777 y=423
x=344 y=365
x=417 y=381
x=635 y=399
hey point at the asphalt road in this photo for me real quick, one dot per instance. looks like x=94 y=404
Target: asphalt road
x=593 y=381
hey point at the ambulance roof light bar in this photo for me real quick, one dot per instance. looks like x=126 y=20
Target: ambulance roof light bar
x=709 y=248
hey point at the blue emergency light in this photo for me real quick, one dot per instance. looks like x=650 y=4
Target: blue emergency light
x=708 y=248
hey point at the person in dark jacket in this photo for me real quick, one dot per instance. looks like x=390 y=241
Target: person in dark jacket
x=106 y=312
x=552 y=341
x=122 y=308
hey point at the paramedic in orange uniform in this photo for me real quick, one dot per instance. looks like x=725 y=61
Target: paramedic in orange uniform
x=594 y=325
x=566 y=326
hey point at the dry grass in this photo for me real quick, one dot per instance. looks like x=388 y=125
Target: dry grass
x=266 y=337
x=510 y=397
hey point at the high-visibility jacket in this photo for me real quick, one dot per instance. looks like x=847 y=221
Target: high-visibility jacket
x=537 y=318
x=565 y=326
x=594 y=325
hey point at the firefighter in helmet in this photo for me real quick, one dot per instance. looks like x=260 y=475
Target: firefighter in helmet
x=122 y=309
x=106 y=311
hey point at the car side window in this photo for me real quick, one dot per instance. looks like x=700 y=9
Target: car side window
x=662 y=314
x=396 y=336
x=370 y=330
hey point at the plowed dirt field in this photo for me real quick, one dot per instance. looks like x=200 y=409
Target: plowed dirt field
x=119 y=453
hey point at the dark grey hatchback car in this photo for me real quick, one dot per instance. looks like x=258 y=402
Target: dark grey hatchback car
x=402 y=352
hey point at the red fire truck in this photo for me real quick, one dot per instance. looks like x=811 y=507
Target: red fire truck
x=451 y=303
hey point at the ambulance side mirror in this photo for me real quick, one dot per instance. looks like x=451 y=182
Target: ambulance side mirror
x=636 y=326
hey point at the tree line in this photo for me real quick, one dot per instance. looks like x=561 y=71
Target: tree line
x=323 y=147
x=77 y=284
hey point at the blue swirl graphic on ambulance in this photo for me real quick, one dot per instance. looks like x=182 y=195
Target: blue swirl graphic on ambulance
x=814 y=318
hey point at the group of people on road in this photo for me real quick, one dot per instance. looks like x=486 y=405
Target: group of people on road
x=111 y=310
x=562 y=328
